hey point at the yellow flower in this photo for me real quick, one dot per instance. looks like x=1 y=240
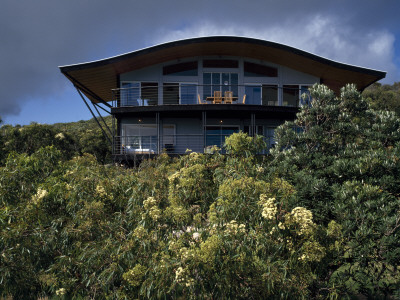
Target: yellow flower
x=303 y=217
x=36 y=199
x=269 y=208
x=134 y=276
x=149 y=203
x=312 y=251
x=61 y=292
x=140 y=232
x=101 y=191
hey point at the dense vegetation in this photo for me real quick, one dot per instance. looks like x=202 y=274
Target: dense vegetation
x=384 y=96
x=70 y=138
x=319 y=218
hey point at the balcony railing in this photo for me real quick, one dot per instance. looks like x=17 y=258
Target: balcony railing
x=141 y=94
x=172 y=144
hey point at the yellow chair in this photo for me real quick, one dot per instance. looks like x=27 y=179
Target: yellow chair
x=200 y=102
x=217 y=97
x=244 y=99
x=228 y=97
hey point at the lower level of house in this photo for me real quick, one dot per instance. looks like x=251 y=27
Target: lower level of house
x=176 y=129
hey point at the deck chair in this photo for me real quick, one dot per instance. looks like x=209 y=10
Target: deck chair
x=200 y=102
x=244 y=99
x=217 y=97
x=228 y=97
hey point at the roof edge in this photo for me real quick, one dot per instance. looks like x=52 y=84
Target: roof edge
x=214 y=39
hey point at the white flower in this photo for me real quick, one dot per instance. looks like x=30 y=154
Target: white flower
x=196 y=236
x=60 y=136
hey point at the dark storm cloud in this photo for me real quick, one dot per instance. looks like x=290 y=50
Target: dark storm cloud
x=37 y=36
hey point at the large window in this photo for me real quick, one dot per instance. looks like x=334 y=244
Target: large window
x=216 y=135
x=143 y=137
x=139 y=137
x=139 y=93
x=180 y=93
x=220 y=82
x=261 y=94
x=253 y=94
x=290 y=95
x=270 y=95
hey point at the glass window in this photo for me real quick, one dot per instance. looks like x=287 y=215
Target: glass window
x=234 y=81
x=216 y=82
x=220 y=82
x=144 y=136
x=171 y=93
x=216 y=135
x=253 y=94
x=139 y=93
x=270 y=136
x=207 y=84
x=188 y=93
x=257 y=70
x=149 y=93
x=220 y=63
x=181 y=69
x=130 y=93
x=290 y=95
x=168 y=135
x=139 y=136
x=305 y=97
x=270 y=95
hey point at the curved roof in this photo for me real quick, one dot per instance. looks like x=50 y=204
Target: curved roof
x=96 y=79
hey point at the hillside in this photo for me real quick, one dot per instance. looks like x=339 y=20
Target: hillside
x=73 y=138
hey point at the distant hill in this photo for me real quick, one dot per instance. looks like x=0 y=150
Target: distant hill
x=72 y=138
x=383 y=96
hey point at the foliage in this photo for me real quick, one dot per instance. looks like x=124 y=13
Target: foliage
x=343 y=161
x=317 y=219
x=171 y=228
x=384 y=97
x=70 y=138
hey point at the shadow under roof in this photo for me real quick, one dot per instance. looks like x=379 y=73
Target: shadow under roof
x=97 y=79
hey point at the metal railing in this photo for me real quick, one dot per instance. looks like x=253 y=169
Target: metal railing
x=185 y=93
x=173 y=144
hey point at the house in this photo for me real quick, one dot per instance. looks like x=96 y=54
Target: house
x=191 y=94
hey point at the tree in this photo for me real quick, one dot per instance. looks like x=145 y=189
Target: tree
x=343 y=160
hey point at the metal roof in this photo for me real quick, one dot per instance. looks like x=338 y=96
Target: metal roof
x=97 y=79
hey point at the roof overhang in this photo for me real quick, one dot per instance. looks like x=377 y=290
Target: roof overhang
x=97 y=79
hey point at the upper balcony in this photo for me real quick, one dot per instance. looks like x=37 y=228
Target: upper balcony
x=150 y=94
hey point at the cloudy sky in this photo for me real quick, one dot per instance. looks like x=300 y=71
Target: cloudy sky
x=38 y=36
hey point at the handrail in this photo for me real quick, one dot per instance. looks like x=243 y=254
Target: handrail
x=186 y=93
x=172 y=144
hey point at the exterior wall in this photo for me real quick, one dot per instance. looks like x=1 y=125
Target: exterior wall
x=286 y=76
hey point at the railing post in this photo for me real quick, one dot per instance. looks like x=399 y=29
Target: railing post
x=158 y=132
